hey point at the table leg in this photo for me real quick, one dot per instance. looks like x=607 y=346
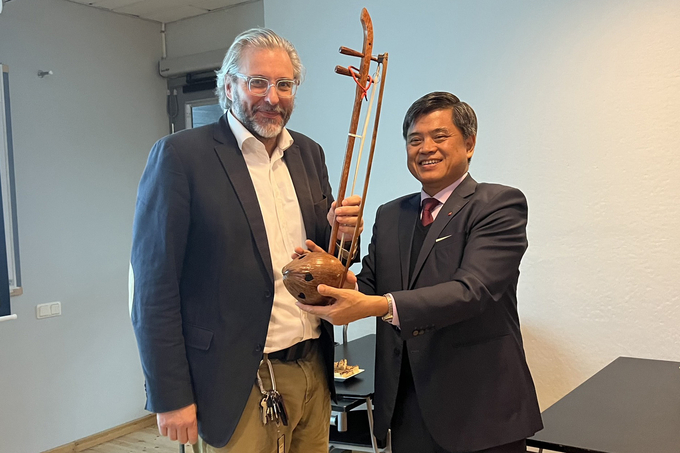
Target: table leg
x=369 y=411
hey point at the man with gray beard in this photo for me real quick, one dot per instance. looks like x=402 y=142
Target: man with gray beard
x=220 y=211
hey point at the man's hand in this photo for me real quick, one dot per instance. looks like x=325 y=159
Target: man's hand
x=346 y=216
x=311 y=247
x=348 y=306
x=179 y=425
x=350 y=279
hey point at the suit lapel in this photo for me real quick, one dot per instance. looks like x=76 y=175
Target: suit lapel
x=296 y=169
x=453 y=205
x=407 y=223
x=235 y=166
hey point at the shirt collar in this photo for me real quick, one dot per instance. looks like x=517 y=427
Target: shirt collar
x=285 y=140
x=445 y=193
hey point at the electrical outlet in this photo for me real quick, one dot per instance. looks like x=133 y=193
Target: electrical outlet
x=48 y=310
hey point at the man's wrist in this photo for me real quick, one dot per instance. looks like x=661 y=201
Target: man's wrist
x=389 y=314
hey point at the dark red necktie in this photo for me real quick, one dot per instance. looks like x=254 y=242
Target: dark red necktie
x=428 y=205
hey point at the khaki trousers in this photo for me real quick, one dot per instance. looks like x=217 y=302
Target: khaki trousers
x=302 y=383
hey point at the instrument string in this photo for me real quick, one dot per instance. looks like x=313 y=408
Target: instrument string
x=373 y=84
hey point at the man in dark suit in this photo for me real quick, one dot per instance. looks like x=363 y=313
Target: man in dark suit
x=451 y=374
x=220 y=210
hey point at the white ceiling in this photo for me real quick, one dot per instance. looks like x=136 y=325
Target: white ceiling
x=161 y=10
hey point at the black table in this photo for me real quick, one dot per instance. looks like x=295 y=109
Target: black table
x=358 y=389
x=354 y=392
x=359 y=352
x=630 y=406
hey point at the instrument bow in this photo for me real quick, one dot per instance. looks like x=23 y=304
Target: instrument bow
x=304 y=274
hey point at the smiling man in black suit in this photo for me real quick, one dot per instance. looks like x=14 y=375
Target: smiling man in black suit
x=441 y=276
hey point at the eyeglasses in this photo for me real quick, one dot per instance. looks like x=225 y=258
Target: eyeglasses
x=259 y=86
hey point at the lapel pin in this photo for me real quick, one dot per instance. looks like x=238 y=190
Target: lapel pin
x=450 y=213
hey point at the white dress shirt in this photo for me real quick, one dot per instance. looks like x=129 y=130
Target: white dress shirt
x=285 y=229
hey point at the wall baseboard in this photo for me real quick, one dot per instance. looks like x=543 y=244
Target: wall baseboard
x=105 y=436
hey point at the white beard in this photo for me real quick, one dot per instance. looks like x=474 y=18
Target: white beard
x=268 y=128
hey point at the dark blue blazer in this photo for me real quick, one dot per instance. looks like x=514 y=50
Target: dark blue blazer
x=458 y=316
x=203 y=286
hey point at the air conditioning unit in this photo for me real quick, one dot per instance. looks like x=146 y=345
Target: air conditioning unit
x=200 y=62
x=3 y=2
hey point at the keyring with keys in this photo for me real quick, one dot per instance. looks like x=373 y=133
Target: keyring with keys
x=271 y=405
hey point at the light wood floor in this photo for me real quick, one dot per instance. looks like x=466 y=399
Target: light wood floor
x=146 y=440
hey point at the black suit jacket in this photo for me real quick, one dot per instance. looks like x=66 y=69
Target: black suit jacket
x=458 y=316
x=203 y=287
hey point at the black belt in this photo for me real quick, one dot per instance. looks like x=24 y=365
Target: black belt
x=295 y=352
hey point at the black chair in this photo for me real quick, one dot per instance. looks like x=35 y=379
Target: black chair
x=357 y=435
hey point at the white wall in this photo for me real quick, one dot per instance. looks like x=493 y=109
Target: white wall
x=212 y=31
x=81 y=139
x=579 y=106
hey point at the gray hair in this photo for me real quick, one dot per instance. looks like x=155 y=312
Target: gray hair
x=463 y=116
x=259 y=38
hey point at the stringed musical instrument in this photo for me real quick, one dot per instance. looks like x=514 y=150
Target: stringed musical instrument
x=302 y=275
